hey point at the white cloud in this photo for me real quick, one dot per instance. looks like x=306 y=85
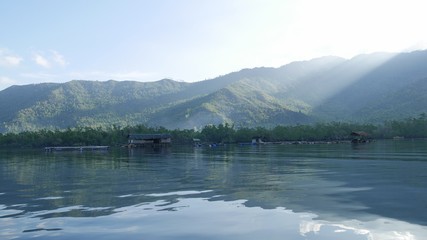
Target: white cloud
x=41 y=61
x=9 y=60
x=58 y=58
x=50 y=59
x=6 y=82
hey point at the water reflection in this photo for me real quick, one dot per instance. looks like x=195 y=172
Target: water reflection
x=269 y=192
x=193 y=217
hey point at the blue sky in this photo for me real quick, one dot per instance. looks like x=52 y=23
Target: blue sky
x=192 y=40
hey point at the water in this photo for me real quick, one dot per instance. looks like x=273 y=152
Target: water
x=337 y=191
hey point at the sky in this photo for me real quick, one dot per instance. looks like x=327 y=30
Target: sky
x=193 y=40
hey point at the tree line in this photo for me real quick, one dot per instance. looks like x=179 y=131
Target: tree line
x=223 y=133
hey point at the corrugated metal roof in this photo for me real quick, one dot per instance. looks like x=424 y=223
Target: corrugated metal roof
x=359 y=133
x=148 y=136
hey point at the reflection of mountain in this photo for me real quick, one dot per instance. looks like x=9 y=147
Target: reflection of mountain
x=372 y=87
x=336 y=182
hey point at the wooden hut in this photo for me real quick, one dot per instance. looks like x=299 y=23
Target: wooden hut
x=257 y=140
x=142 y=140
x=359 y=137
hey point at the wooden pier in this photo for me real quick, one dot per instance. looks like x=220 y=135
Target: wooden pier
x=76 y=148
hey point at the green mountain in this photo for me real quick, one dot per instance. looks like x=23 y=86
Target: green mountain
x=367 y=88
x=376 y=87
x=82 y=103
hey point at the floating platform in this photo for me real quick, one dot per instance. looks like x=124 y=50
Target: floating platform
x=76 y=148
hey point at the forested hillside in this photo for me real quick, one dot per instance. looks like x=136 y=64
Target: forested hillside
x=368 y=88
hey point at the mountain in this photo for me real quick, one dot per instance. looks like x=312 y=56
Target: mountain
x=367 y=88
x=379 y=79
x=82 y=103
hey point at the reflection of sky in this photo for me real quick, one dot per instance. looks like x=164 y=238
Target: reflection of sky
x=200 y=218
x=328 y=192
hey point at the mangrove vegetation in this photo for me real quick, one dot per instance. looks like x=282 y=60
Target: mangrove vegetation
x=222 y=133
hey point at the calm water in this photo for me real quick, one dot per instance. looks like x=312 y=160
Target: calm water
x=372 y=191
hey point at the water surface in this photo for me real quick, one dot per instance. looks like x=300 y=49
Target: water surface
x=335 y=191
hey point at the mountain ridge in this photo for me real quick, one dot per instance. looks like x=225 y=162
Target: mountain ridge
x=367 y=88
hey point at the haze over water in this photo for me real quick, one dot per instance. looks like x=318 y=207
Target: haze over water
x=336 y=191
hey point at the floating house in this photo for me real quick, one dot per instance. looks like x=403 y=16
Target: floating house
x=197 y=142
x=142 y=140
x=360 y=137
x=257 y=140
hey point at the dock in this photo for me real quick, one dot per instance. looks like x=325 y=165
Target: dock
x=76 y=148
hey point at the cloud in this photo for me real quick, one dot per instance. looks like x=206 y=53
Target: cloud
x=6 y=82
x=49 y=60
x=58 y=58
x=41 y=60
x=9 y=60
